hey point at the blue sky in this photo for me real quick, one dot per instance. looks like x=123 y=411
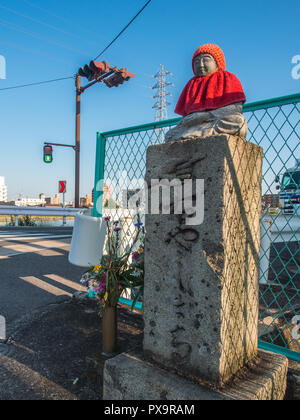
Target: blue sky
x=49 y=39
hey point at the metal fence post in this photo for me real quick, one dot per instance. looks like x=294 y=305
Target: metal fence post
x=99 y=175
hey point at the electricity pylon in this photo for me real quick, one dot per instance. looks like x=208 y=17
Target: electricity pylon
x=161 y=104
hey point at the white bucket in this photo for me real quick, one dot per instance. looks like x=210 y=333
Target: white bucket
x=87 y=240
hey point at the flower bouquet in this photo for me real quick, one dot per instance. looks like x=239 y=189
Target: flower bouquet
x=116 y=273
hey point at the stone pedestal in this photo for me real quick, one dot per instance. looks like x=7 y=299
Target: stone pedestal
x=202 y=270
x=201 y=284
x=130 y=377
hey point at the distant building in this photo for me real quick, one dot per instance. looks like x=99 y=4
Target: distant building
x=7 y=203
x=41 y=201
x=53 y=201
x=29 y=202
x=86 y=201
x=3 y=190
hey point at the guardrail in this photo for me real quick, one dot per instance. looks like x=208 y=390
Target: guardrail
x=38 y=211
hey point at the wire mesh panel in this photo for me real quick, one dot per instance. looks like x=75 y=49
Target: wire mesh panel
x=275 y=126
x=125 y=166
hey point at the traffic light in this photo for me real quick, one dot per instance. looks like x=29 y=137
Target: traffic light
x=48 y=158
x=94 y=69
x=119 y=78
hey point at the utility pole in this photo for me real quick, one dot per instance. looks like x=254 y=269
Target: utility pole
x=77 y=141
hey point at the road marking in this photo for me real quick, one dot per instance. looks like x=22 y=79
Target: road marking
x=16 y=233
x=22 y=232
x=65 y=282
x=11 y=247
x=23 y=238
x=35 y=281
x=41 y=252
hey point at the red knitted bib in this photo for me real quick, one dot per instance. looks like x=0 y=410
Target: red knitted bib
x=210 y=92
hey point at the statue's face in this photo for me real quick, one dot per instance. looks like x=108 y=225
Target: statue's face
x=204 y=64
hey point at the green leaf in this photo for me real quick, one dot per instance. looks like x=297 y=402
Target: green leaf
x=138 y=295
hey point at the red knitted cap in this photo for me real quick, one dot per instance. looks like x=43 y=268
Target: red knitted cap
x=215 y=51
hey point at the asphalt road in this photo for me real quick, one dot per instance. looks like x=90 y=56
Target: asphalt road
x=34 y=269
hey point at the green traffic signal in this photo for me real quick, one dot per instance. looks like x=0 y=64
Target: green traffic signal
x=48 y=158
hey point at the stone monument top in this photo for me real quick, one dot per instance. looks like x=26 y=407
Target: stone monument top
x=212 y=101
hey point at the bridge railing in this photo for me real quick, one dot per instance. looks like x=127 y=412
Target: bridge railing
x=17 y=211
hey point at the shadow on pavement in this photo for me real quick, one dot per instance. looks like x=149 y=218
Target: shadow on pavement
x=55 y=352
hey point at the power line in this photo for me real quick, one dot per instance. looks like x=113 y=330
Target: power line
x=45 y=10
x=124 y=29
x=32 y=51
x=63 y=19
x=37 y=83
x=72 y=77
x=18 y=28
x=47 y=25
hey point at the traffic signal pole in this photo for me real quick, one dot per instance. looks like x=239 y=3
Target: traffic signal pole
x=79 y=91
x=77 y=144
x=95 y=72
x=101 y=72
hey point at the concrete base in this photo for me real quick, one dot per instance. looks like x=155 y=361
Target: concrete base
x=129 y=377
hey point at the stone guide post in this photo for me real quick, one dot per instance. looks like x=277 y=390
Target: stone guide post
x=201 y=284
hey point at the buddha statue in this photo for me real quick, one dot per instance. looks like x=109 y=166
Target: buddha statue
x=212 y=101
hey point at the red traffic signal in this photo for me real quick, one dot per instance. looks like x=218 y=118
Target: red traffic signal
x=48 y=158
x=119 y=78
x=94 y=69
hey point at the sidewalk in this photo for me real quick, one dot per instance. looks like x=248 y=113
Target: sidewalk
x=54 y=353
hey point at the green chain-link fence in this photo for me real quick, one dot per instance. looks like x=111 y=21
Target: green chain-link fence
x=275 y=126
